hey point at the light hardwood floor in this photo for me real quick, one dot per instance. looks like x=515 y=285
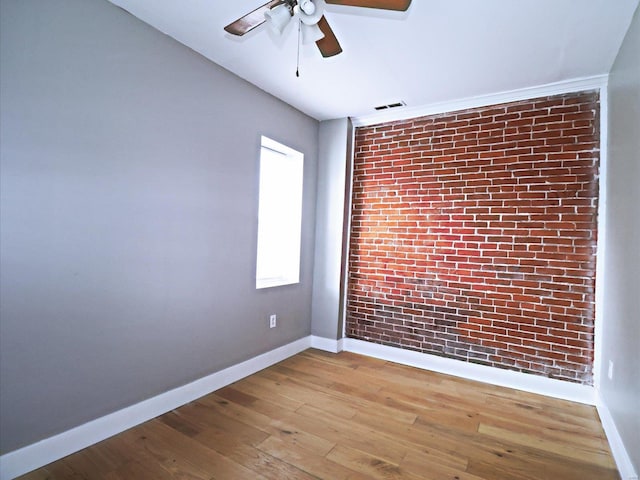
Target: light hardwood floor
x=345 y=416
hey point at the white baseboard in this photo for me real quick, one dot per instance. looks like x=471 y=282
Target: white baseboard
x=496 y=376
x=327 y=344
x=620 y=455
x=39 y=454
x=472 y=371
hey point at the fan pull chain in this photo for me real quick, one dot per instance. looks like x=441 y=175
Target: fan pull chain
x=298 y=58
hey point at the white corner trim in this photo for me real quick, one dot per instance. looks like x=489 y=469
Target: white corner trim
x=327 y=344
x=620 y=455
x=39 y=454
x=601 y=244
x=557 y=88
x=496 y=376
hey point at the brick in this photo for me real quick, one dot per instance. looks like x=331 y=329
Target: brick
x=473 y=235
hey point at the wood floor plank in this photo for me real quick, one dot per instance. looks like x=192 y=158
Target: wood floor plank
x=236 y=449
x=280 y=426
x=345 y=416
x=255 y=459
x=520 y=469
x=362 y=437
x=248 y=385
x=139 y=471
x=413 y=439
x=368 y=464
x=548 y=431
x=312 y=463
x=307 y=396
x=355 y=397
x=183 y=456
x=209 y=422
x=332 y=372
x=85 y=464
x=592 y=456
x=431 y=467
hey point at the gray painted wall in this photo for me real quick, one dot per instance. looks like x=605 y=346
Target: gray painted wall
x=129 y=209
x=621 y=310
x=333 y=155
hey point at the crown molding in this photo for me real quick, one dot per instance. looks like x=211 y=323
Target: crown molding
x=566 y=86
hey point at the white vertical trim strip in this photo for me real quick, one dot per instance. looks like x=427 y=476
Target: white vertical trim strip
x=601 y=252
x=345 y=261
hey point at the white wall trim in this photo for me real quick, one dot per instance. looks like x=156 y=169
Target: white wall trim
x=39 y=454
x=620 y=454
x=567 y=86
x=601 y=247
x=42 y=453
x=327 y=344
x=496 y=376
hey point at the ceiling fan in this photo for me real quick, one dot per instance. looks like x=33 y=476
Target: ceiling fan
x=313 y=25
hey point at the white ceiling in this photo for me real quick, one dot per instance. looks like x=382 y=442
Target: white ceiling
x=437 y=51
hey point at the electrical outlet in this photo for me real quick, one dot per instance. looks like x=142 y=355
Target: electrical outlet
x=272 y=320
x=610 y=372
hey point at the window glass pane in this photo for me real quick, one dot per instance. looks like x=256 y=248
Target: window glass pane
x=279 y=215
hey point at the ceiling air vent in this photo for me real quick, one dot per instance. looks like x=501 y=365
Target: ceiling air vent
x=391 y=105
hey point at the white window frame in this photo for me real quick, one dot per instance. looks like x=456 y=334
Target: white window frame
x=279 y=215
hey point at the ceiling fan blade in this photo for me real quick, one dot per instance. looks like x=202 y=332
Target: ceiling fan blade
x=251 y=20
x=401 y=5
x=328 y=45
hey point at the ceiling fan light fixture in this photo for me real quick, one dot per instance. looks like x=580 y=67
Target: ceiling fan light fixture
x=307 y=6
x=310 y=33
x=277 y=18
x=310 y=12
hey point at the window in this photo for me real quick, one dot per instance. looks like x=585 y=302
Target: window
x=279 y=215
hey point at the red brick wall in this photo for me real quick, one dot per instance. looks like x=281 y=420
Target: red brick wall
x=474 y=235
